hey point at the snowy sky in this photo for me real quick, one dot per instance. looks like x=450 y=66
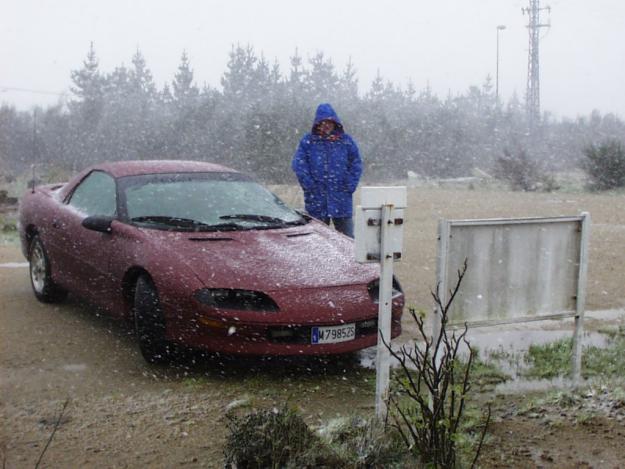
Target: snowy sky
x=450 y=44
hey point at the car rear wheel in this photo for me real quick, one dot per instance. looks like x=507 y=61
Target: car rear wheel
x=150 y=323
x=44 y=288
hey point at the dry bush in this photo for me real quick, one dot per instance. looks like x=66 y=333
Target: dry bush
x=428 y=401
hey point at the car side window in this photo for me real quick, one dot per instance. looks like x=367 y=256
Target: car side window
x=95 y=195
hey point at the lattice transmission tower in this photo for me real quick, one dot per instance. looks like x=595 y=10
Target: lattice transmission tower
x=532 y=96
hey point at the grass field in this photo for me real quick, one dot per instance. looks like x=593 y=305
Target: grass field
x=428 y=204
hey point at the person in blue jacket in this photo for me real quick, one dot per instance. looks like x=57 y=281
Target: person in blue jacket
x=328 y=167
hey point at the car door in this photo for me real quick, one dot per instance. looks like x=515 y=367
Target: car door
x=87 y=254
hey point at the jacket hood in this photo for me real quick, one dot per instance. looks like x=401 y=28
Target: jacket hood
x=325 y=111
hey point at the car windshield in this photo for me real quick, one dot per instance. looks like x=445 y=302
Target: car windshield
x=202 y=202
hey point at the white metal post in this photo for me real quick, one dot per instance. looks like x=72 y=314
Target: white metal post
x=378 y=238
x=581 y=299
x=441 y=274
x=384 y=314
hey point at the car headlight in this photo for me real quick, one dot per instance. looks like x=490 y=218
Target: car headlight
x=229 y=298
x=374 y=289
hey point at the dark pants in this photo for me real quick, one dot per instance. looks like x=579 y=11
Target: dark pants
x=342 y=225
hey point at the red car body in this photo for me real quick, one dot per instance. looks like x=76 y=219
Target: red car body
x=308 y=271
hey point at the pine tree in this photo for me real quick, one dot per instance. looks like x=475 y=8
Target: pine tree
x=185 y=93
x=140 y=78
x=376 y=91
x=88 y=87
x=142 y=99
x=321 y=79
x=295 y=83
x=347 y=92
x=87 y=111
x=240 y=74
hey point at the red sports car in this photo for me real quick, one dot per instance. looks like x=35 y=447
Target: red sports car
x=202 y=256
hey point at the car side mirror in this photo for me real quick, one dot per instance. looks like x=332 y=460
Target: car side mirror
x=101 y=223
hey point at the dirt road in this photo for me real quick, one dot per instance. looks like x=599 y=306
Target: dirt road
x=122 y=412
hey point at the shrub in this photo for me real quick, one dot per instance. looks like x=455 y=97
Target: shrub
x=365 y=443
x=281 y=439
x=523 y=173
x=268 y=439
x=605 y=165
x=428 y=402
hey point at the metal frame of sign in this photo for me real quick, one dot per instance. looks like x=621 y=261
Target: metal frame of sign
x=447 y=235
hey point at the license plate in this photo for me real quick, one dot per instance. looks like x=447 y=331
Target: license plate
x=333 y=334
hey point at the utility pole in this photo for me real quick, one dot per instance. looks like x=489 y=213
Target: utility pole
x=532 y=97
x=35 y=148
x=35 y=155
x=500 y=28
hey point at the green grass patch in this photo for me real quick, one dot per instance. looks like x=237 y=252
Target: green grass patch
x=612 y=331
x=605 y=362
x=195 y=382
x=561 y=399
x=554 y=359
x=8 y=229
x=486 y=374
x=547 y=361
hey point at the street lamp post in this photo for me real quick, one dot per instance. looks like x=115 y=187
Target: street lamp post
x=500 y=27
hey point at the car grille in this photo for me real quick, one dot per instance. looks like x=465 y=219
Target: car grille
x=302 y=334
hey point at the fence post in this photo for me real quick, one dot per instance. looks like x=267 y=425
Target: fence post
x=580 y=300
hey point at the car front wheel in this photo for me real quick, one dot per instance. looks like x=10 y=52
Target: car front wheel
x=44 y=288
x=150 y=323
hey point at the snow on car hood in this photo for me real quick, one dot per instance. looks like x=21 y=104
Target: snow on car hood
x=309 y=256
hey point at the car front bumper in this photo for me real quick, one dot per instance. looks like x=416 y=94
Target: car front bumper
x=258 y=340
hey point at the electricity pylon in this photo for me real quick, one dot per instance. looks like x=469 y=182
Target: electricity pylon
x=532 y=97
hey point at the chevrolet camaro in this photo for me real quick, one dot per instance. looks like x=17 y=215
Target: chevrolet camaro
x=202 y=256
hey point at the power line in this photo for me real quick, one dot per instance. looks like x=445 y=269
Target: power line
x=28 y=90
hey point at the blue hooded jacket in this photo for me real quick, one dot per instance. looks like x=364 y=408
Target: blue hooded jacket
x=328 y=168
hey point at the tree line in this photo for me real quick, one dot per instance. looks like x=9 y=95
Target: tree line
x=254 y=121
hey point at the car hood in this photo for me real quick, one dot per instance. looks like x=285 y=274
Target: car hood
x=307 y=256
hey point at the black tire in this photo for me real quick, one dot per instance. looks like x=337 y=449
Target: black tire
x=44 y=288
x=150 y=323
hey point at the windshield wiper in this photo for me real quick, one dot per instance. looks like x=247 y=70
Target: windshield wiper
x=170 y=221
x=262 y=218
x=195 y=225
x=186 y=223
x=223 y=227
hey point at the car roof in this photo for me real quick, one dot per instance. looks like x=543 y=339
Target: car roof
x=119 y=169
x=135 y=168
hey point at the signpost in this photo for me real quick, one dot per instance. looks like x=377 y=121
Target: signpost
x=378 y=238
